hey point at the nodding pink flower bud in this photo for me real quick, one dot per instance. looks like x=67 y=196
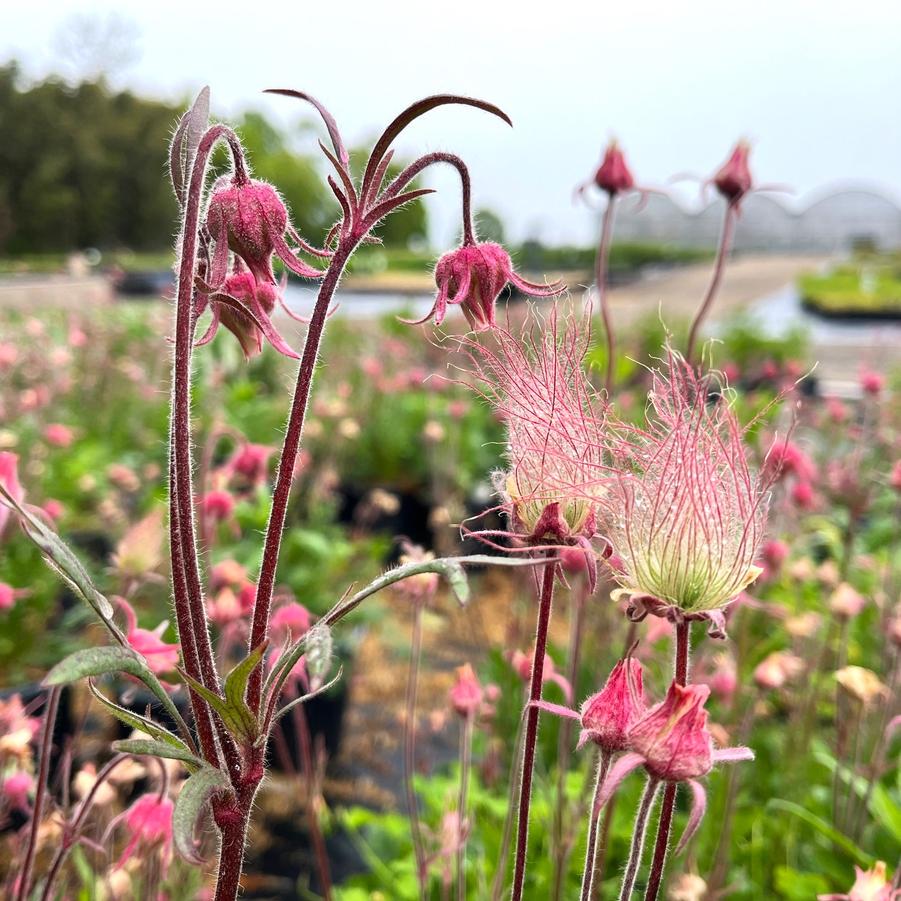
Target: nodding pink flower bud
x=251 y=463
x=260 y=298
x=16 y=789
x=776 y=669
x=522 y=665
x=9 y=595
x=227 y=573
x=218 y=505
x=466 y=693
x=160 y=656
x=872 y=382
x=869 y=885
x=845 y=602
x=247 y=597
x=614 y=176
x=608 y=715
x=149 y=823
x=472 y=277
x=775 y=553
x=722 y=678
x=785 y=458
x=673 y=737
x=573 y=560
x=802 y=494
x=251 y=217
x=290 y=618
x=733 y=179
x=9 y=479
x=58 y=435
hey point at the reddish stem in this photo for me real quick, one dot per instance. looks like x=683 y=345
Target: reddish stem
x=719 y=268
x=601 y=267
x=594 y=816
x=638 y=834
x=528 y=761
x=410 y=752
x=272 y=545
x=40 y=793
x=667 y=807
x=465 y=761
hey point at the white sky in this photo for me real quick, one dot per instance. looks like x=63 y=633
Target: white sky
x=814 y=85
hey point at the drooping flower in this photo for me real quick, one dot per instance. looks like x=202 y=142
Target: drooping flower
x=9 y=595
x=149 y=824
x=776 y=669
x=16 y=788
x=869 y=885
x=160 y=656
x=687 y=512
x=522 y=664
x=466 y=693
x=872 y=382
x=218 y=505
x=473 y=276
x=733 y=179
x=846 y=602
x=557 y=469
x=608 y=715
x=613 y=175
x=861 y=683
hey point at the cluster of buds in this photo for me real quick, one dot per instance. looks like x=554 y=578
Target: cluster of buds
x=686 y=513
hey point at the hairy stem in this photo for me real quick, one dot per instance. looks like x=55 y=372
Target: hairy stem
x=562 y=832
x=667 y=807
x=409 y=739
x=465 y=761
x=601 y=267
x=231 y=859
x=40 y=793
x=531 y=739
x=497 y=885
x=272 y=545
x=719 y=267
x=594 y=816
x=638 y=835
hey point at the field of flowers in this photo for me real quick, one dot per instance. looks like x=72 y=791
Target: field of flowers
x=685 y=569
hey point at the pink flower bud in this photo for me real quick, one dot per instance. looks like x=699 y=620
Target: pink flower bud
x=149 y=823
x=733 y=180
x=473 y=277
x=227 y=573
x=608 y=715
x=845 y=602
x=291 y=617
x=160 y=656
x=466 y=693
x=673 y=737
x=872 y=382
x=895 y=477
x=869 y=885
x=58 y=435
x=16 y=789
x=251 y=463
x=254 y=294
x=614 y=176
x=776 y=669
x=785 y=458
x=775 y=553
x=218 y=505
x=9 y=595
x=250 y=215
x=802 y=494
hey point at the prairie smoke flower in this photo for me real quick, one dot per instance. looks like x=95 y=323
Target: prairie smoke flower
x=872 y=382
x=522 y=664
x=613 y=175
x=218 y=505
x=160 y=656
x=785 y=458
x=556 y=462
x=466 y=694
x=17 y=729
x=149 y=823
x=733 y=179
x=16 y=789
x=846 y=602
x=862 y=684
x=672 y=742
x=473 y=276
x=9 y=595
x=250 y=462
x=608 y=715
x=776 y=669
x=869 y=885
x=290 y=619
x=687 y=514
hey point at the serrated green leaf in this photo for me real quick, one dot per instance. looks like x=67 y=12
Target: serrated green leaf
x=136 y=721
x=148 y=748
x=111 y=659
x=195 y=794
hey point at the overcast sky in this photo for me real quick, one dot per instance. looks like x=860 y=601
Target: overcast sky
x=814 y=85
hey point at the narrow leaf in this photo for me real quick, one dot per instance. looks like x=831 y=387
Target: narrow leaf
x=821 y=826
x=136 y=721
x=195 y=794
x=238 y=718
x=148 y=748
x=111 y=659
x=236 y=681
